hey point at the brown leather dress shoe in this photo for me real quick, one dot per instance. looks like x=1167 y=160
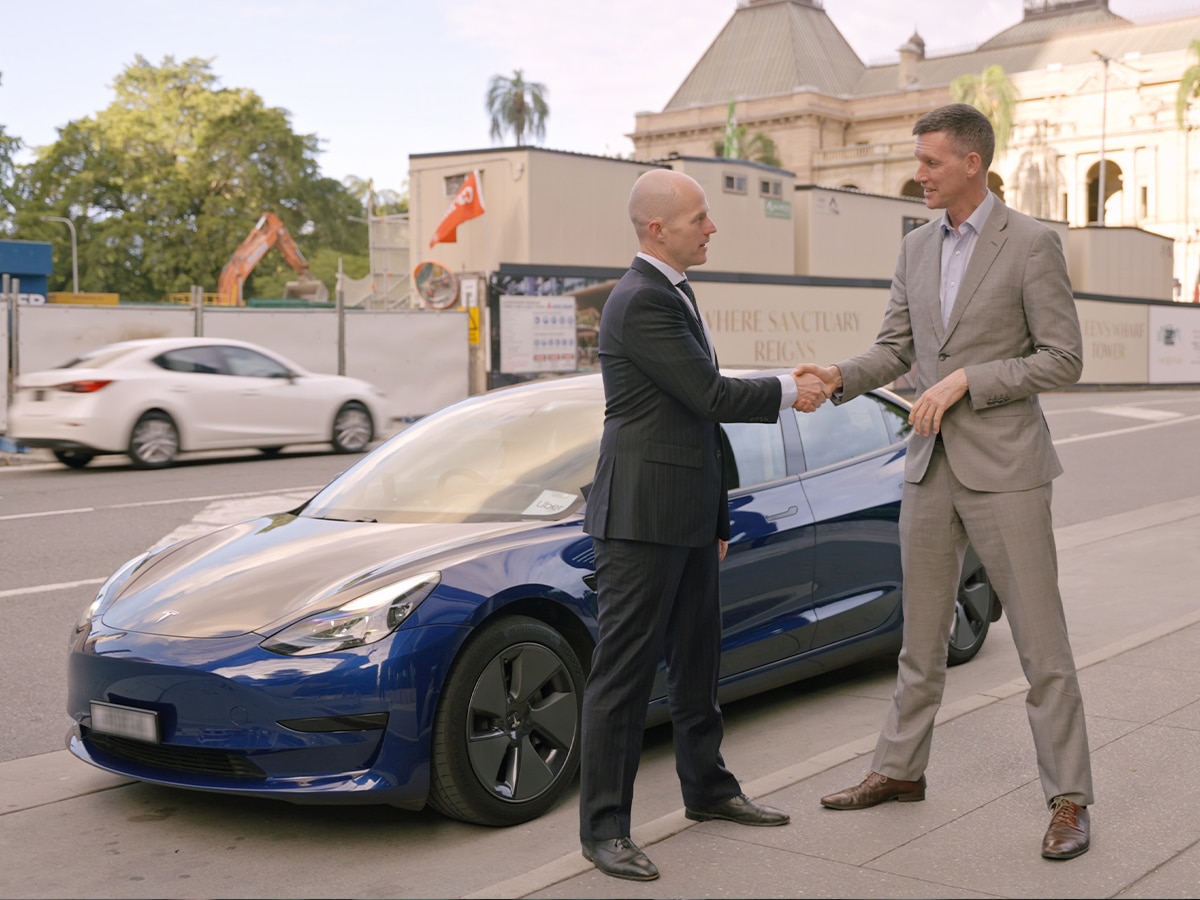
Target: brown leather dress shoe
x=1070 y=831
x=876 y=789
x=740 y=809
x=620 y=858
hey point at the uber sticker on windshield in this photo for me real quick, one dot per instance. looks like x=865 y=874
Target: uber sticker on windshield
x=548 y=503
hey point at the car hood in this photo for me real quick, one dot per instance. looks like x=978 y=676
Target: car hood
x=264 y=573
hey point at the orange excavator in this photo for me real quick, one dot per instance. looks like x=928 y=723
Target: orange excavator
x=269 y=232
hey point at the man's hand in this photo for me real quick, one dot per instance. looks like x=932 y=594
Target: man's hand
x=927 y=411
x=814 y=385
x=722 y=548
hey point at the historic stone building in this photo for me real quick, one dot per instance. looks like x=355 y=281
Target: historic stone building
x=1095 y=111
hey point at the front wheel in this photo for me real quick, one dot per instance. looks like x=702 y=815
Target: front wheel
x=506 y=734
x=352 y=428
x=76 y=459
x=973 y=611
x=154 y=441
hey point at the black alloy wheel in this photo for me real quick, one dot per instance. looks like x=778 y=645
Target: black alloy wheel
x=506 y=734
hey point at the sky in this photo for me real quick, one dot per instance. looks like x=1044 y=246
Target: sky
x=377 y=80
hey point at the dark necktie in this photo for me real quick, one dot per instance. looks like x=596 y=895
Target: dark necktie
x=687 y=289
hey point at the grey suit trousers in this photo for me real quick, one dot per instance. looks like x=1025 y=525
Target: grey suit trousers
x=1012 y=534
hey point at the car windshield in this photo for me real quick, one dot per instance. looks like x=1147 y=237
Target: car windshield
x=511 y=456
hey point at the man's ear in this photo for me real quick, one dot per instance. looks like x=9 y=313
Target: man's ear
x=973 y=161
x=655 y=229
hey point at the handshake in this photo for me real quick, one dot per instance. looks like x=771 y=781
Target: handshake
x=814 y=385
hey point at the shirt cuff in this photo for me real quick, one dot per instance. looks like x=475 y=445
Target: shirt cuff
x=789 y=394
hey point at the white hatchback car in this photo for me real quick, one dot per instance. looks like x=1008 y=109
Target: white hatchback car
x=157 y=397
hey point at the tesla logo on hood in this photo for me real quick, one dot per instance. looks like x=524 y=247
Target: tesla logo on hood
x=166 y=615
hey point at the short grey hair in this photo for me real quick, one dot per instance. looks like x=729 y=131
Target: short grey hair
x=968 y=128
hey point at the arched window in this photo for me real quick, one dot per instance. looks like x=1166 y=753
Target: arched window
x=1112 y=185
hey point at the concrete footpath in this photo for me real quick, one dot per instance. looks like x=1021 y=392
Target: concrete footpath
x=978 y=833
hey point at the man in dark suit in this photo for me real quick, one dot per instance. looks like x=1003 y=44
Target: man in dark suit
x=658 y=514
x=982 y=305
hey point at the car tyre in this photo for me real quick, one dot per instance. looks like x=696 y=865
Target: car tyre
x=507 y=730
x=154 y=441
x=973 y=611
x=353 y=429
x=76 y=459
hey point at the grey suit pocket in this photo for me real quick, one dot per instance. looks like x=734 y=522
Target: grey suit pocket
x=674 y=455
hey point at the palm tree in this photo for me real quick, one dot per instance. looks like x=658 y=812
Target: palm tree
x=518 y=106
x=375 y=201
x=993 y=94
x=1189 y=85
x=736 y=145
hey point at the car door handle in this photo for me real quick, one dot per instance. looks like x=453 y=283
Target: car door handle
x=790 y=511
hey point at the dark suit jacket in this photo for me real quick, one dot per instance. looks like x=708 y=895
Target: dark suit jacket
x=1014 y=329
x=660 y=474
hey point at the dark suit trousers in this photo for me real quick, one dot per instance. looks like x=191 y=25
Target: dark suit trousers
x=653 y=599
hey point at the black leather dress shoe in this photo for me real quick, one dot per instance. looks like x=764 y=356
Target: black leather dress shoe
x=740 y=809
x=620 y=858
x=1070 y=831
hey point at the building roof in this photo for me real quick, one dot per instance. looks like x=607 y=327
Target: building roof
x=1063 y=17
x=1119 y=39
x=771 y=47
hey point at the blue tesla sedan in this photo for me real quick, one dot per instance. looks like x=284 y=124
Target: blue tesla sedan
x=418 y=633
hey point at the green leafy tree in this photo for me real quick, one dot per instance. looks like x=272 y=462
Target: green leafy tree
x=993 y=94
x=518 y=106
x=736 y=144
x=9 y=146
x=167 y=181
x=1189 y=85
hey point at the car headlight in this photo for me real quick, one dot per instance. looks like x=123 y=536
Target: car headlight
x=115 y=580
x=363 y=620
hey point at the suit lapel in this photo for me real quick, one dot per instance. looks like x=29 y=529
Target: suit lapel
x=694 y=326
x=987 y=248
x=930 y=285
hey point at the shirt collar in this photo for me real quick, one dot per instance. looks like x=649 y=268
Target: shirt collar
x=976 y=219
x=672 y=276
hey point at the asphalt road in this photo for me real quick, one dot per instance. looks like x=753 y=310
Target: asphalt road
x=63 y=531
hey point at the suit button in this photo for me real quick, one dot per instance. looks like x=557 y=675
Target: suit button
x=942 y=357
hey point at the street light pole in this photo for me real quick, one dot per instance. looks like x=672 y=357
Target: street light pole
x=74 y=249
x=1100 y=198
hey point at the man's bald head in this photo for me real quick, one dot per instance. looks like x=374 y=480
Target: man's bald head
x=657 y=195
x=670 y=216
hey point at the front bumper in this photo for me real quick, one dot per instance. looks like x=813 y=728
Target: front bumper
x=347 y=727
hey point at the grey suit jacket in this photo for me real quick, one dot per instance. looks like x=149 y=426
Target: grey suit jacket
x=1014 y=329
x=660 y=476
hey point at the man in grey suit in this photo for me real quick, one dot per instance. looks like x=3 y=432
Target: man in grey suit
x=658 y=514
x=982 y=305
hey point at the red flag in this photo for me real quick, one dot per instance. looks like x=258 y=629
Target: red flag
x=467 y=204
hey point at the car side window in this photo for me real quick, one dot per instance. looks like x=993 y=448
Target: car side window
x=250 y=364
x=753 y=453
x=203 y=360
x=833 y=434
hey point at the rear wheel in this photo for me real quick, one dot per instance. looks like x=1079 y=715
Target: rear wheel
x=352 y=428
x=154 y=441
x=506 y=734
x=76 y=459
x=973 y=611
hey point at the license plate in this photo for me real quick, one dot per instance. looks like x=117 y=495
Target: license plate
x=125 y=721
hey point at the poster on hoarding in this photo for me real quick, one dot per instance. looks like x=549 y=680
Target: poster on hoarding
x=1174 y=344
x=537 y=334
